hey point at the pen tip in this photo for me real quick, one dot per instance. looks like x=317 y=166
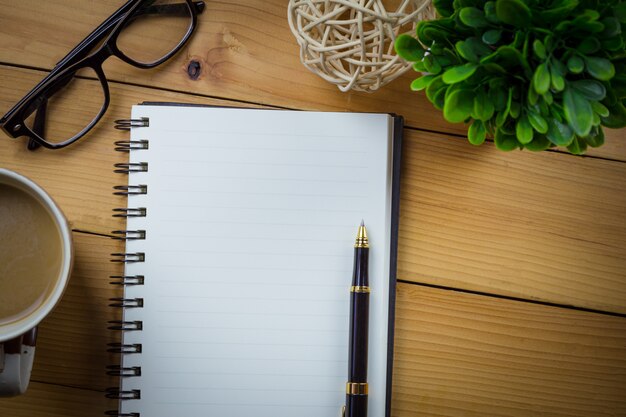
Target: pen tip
x=361 y=239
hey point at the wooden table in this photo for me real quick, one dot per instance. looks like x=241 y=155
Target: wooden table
x=512 y=267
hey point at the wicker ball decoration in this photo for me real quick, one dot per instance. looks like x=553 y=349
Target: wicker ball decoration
x=350 y=42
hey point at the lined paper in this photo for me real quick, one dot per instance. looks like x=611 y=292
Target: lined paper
x=251 y=221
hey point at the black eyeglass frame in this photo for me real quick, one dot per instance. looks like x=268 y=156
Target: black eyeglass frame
x=13 y=123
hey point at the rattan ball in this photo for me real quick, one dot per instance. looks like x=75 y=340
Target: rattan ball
x=350 y=42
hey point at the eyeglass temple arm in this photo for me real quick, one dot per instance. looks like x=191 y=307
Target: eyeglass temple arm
x=39 y=125
x=84 y=47
x=176 y=9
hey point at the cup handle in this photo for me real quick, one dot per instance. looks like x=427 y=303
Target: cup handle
x=16 y=363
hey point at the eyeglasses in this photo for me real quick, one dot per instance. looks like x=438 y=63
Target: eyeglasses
x=143 y=33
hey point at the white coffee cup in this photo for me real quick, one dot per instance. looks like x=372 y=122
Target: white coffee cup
x=17 y=337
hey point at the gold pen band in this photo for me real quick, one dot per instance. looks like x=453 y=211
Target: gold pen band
x=356 y=388
x=359 y=288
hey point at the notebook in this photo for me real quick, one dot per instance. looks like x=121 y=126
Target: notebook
x=239 y=256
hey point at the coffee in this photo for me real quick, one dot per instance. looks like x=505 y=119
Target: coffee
x=31 y=254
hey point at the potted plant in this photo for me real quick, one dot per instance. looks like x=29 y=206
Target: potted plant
x=532 y=74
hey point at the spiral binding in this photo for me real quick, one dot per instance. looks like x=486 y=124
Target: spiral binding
x=126 y=168
x=127 y=257
x=116 y=414
x=130 y=145
x=129 y=234
x=130 y=212
x=127 y=280
x=127 y=124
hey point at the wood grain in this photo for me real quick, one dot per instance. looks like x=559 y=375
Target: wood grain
x=72 y=341
x=245 y=50
x=539 y=226
x=455 y=355
x=467 y=355
x=545 y=226
x=46 y=400
x=80 y=177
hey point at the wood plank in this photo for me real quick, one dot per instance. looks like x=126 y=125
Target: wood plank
x=540 y=226
x=56 y=401
x=80 y=177
x=508 y=223
x=467 y=355
x=72 y=340
x=245 y=49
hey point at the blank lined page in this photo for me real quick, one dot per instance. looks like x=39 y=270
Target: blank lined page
x=250 y=226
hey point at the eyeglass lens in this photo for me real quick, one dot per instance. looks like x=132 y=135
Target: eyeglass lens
x=155 y=30
x=72 y=103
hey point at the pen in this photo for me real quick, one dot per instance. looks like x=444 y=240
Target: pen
x=356 y=388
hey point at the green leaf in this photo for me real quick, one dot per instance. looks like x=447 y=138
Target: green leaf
x=613 y=44
x=444 y=7
x=539 y=143
x=575 y=64
x=599 y=68
x=503 y=115
x=490 y=12
x=538 y=122
x=590 y=89
x=422 y=82
x=556 y=79
x=432 y=65
x=559 y=133
x=523 y=130
x=539 y=49
x=533 y=97
x=617 y=118
x=439 y=98
x=595 y=138
x=596 y=119
x=472 y=49
x=491 y=37
x=483 y=106
x=593 y=27
x=408 y=48
x=501 y=118
x=458 y=106
x=473 y=17
x=459 y=73
x=600 y=109
x=477 y=133
x=466 y=51
x=578 y=112
x=429 y=31
x=419 y=66
x=505 y=142
x=561 y=9
x=547 y=97
x=577 y=147
x=435 y=85
x=498 y=98
x=515 y=109
x=541 y=79
x=620 y=12
x=611 y=27
x=513 y=12
x=589 y=45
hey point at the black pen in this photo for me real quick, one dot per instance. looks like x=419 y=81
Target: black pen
x=356 y=388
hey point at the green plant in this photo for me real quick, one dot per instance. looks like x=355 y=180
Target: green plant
x=531 y=73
